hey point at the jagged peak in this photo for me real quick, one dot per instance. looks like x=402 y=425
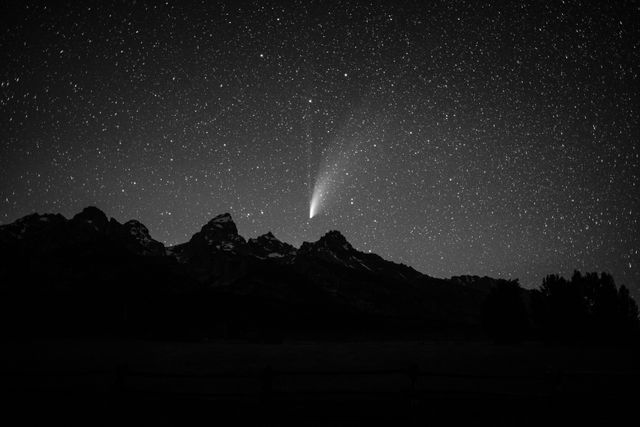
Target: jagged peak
x=93 y=214
x=268 y=239
x=36 y=217
x=134 y=224
x=33 y=221
x=140 y=233
x=220 y=232
x=221 y=222
x=222 y=218
x=269 y=246
x=334 y=239
x=266 y=236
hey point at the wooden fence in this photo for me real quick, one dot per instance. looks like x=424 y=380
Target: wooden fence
x=270 y=383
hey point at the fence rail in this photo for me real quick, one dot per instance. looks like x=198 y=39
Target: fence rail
x=270 y=382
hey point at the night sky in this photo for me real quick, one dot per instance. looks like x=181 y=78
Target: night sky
x=458 y=137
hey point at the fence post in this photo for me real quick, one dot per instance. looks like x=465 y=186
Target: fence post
x=412 y=372
x=117 y=396
x=121 y=374
x=558 y=381
x=267 y=382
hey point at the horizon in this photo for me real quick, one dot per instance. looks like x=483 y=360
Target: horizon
x=566 y=274
x=488 y=139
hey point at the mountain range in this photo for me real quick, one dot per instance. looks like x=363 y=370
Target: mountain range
x=110 y=274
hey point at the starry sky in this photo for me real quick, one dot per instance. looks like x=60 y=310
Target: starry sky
x=458 y=137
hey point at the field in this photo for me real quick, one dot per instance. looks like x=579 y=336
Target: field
x=317 y=383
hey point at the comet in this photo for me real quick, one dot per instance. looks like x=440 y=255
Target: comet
x=330 y=177
x=318 y=197
x=340 y=160
x=314 y=205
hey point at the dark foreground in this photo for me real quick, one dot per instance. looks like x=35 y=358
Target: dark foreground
x=307 y=383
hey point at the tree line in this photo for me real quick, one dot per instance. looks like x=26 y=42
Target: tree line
x=588 y=308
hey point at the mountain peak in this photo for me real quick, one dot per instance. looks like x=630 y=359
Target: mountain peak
x=140 y=234
x=334 y=240
x=269 y=246
x=263 y=237
x=137 y=229
x=222 y=222
x=222 y=218
x=332 y=245
x=29 y=225
x=92 y=215
x=220 y=232
x=39 y=218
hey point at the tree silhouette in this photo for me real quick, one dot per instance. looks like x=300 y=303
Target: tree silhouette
x=505 y=315
x=589 y=307
x=627 y=313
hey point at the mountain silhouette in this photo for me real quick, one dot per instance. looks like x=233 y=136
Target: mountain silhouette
x=95 y=266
